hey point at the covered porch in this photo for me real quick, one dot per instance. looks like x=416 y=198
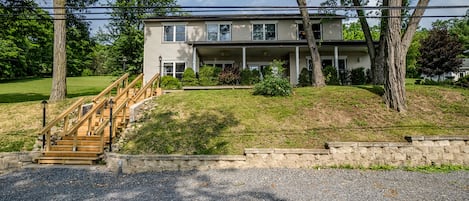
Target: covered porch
x=343 y=55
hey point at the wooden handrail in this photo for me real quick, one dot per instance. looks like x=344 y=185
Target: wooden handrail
x=57 y=119
x=144 y=89
x=110 y=87
x=129 y=86
x=86 y=117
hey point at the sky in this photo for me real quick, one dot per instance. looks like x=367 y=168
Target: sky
x=425 y=22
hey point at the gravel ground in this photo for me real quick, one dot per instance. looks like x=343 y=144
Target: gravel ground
x=95 y=183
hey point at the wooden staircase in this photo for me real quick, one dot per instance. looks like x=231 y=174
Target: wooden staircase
x=81 y=133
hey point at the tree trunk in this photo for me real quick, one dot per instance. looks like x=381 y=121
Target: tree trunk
x=376 y=53
x=318 y=77
x=394 y=86
x=59 y=82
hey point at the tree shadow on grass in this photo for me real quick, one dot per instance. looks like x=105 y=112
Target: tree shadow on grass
x=25 y=97
x=378 y=90
x=173 y=133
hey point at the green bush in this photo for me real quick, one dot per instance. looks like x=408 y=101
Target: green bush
x=188 y=78
x=170 y=82
x=256 y=77
x=273 y=86
x=87 y=72
x=208 y=76
x=330 y=75
x=358 y=76
x=305 y=78
x=463 y=81
x=229 y=75
x=246 y=76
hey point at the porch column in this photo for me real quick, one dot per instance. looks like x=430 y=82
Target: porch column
x=194 y=59
x=297 y=63
x=244 y=58
x=336 y=62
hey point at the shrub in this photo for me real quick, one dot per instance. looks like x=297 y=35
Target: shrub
x=188 y=78
x=305 y=78
x=273 y=86
x=87 y=72
x=358 y=76
x=169 y=82
x=208 y=76
x=463 y=81
x=256 y=77
x=330 y=75
x=229 y=75
x=246 y=77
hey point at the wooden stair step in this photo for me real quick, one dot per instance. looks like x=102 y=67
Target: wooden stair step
x=70 y=154
x=86 y=138
x=80 y=142
x=67 y=160
x=79 y=148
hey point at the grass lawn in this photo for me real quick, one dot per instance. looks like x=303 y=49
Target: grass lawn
x=21 y=109
x=227 y=121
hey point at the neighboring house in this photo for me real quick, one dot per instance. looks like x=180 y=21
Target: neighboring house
x=463 y=71
x=174 y=43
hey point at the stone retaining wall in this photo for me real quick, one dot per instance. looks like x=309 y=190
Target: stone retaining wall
x=419 y=151
x=14 y=160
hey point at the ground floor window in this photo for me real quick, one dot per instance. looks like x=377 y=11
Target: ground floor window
x=220 y=64
x=174 y=68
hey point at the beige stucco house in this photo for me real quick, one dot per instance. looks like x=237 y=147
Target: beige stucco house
x=175 y=43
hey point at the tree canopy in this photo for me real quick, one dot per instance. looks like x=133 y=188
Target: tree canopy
x=439 y=52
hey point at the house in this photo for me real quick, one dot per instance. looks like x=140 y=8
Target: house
x=174 y=43
x=454 y=76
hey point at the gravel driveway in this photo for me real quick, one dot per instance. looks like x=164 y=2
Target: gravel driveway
x=94 y=183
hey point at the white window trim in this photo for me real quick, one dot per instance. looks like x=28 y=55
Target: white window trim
x=218 y=29
x=298 y=30
x=174 y=66
x=174 y=32
x=263 y=25
x=219 y=22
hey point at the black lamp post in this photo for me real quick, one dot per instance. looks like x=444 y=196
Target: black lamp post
x=111 y=102
x=124 y=59
x=44 y=106
x=161 y=66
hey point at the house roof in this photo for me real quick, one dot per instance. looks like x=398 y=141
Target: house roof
x=465 y=64
x=239 y=17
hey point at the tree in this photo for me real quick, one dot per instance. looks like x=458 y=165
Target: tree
x=439 y=53
x=353 y=31
x=59 y=73
x=413 y=54
x=126 y=29
x=25 y=45
x=397 y=47
x=318 y=77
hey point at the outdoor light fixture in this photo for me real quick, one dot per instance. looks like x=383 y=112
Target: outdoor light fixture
x=44 y=105
x=161 y=67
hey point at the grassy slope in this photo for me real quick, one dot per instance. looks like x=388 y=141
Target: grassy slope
x=218 y=122
x=22 y=112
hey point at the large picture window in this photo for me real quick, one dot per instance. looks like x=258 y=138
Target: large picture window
x=175 y=69
x=316 y=31
x=174 y=33
x=219 y=32
x=264 y=32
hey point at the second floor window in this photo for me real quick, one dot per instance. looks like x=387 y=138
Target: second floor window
x=173 y=33
x=316 y=31
x=219 y=32
x=264 y=32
